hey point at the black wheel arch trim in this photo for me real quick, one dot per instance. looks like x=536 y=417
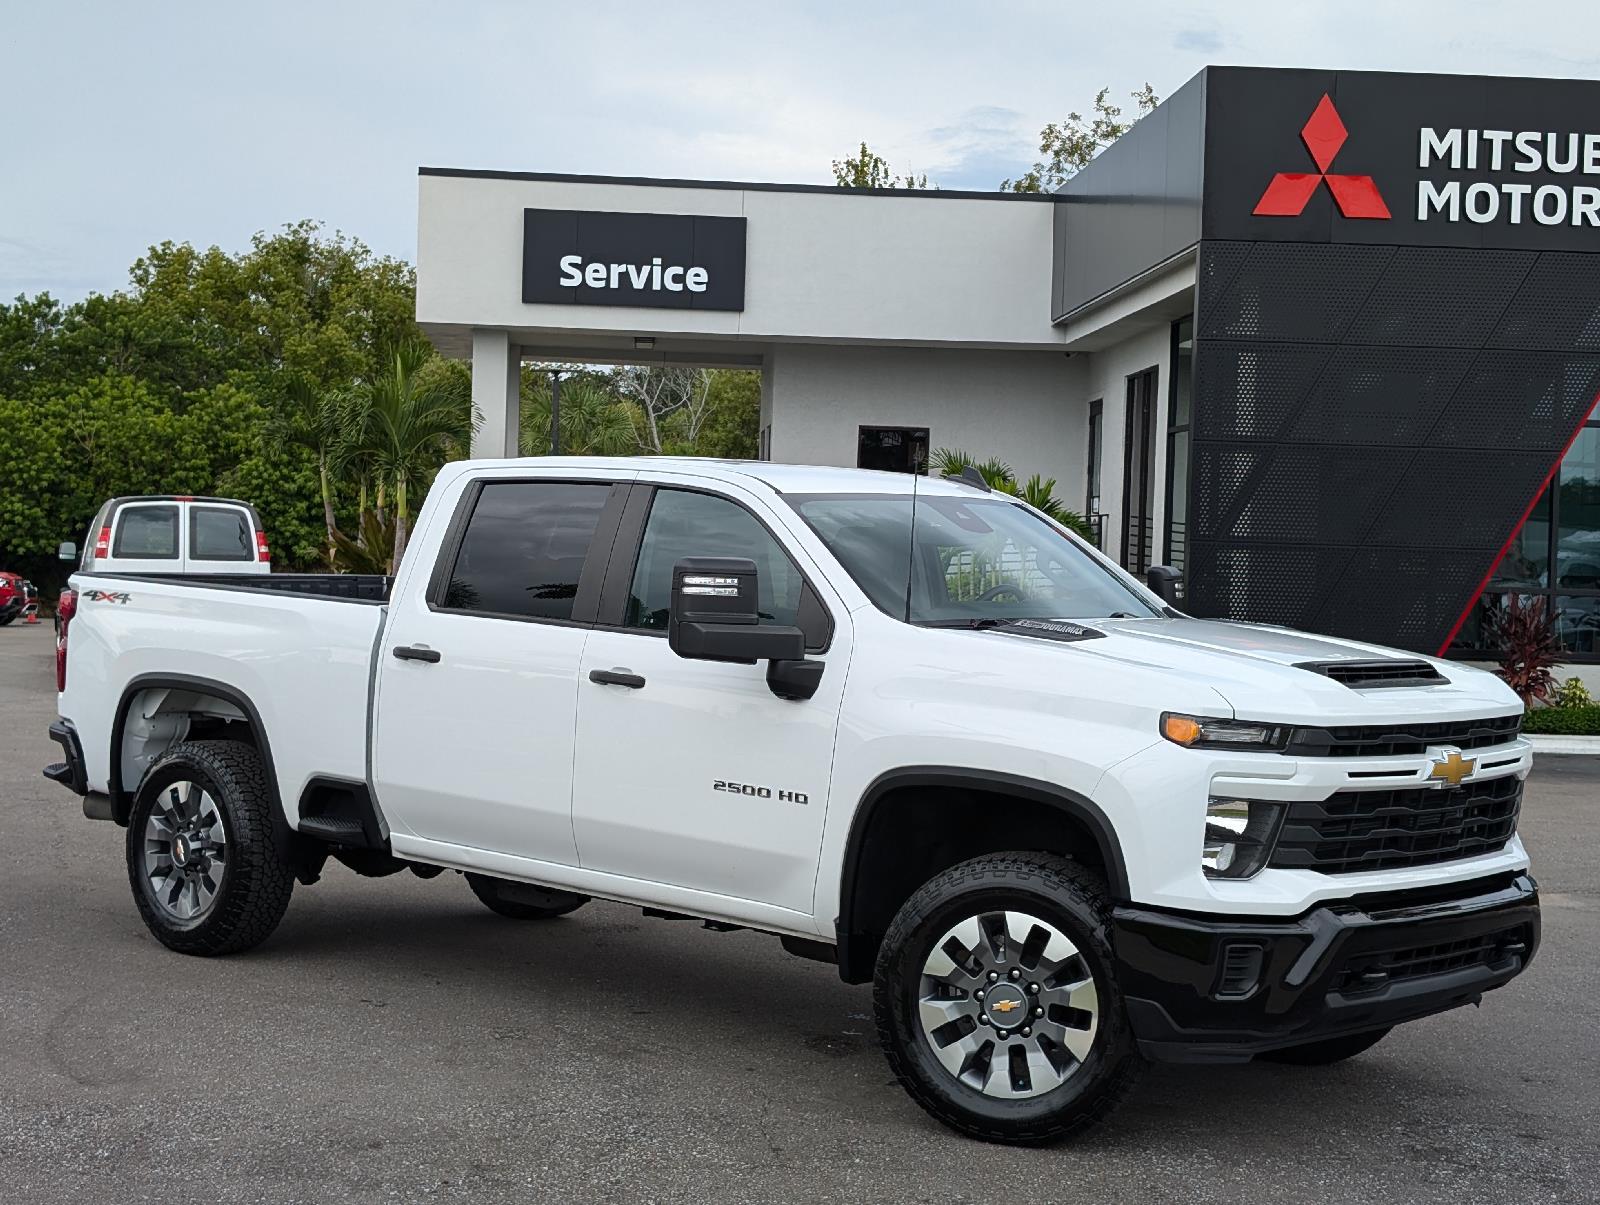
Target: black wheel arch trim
x=121 y=795
x=1072 y=804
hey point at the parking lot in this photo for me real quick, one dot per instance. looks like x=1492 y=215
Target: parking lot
x=395 y=1041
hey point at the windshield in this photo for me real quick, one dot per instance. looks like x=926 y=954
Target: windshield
x=975 y=559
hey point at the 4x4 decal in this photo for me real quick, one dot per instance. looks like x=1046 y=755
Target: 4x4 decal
x=111 y=596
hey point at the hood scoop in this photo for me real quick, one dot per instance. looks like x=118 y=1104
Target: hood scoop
x=1376 y=675
x=1063 y=630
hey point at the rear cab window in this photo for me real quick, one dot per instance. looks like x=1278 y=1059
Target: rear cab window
x=146 y=533
x=220 y=533
x=523 y=550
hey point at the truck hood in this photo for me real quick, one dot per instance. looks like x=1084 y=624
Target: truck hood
x=1257 y=669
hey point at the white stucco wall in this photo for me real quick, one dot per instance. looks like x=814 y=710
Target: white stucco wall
x=1027 y=408
x=1105 y=378
x=919 y=269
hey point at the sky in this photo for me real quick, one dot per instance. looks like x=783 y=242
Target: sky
x=127 y=124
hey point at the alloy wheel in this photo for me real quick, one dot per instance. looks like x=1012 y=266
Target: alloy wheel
x=185 y=850
x=1008 y=1004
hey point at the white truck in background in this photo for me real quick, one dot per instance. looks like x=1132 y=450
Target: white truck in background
x=911 y=727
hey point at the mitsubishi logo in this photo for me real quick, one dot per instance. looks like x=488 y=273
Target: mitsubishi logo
x=1290 y=192
x=1452 y=768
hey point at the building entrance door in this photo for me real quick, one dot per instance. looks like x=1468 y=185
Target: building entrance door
x=1138 y=473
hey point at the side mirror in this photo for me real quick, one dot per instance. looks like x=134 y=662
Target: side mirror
x=1166 y=582
x=66 y=551
x=714 y=614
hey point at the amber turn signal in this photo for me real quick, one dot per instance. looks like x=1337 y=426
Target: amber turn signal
x=1180 y=729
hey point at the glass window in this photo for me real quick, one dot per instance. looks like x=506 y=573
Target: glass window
x=973 y=560
x=220 y=533
x=1554 y=556
x=684 y=524
x=895 y=449
x=147 y=532
x=524 y=548
x=1578 y=523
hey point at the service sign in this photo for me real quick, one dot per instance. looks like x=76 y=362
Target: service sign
x=660 y=260
x=1419 y=160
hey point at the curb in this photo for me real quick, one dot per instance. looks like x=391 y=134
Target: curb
x=1563 y=744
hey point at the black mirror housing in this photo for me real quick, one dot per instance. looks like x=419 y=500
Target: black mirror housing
x=1166 y=582
x=716 y=616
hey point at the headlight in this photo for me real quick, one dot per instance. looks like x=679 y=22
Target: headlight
x=1198 y=732
x=1239 y=837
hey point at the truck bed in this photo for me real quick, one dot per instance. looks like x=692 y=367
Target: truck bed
x=297 y=648
x=343 y=587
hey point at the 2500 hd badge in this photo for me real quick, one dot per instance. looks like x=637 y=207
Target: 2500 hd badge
x=755 y=792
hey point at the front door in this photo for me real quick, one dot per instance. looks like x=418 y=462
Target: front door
x=478 y=674
x=700 y=777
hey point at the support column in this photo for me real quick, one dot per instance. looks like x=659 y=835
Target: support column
x=496 y=394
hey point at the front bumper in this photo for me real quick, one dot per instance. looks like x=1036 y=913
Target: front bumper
x=1221 y=989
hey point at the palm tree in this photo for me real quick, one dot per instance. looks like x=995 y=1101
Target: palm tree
x=400 y=427
x=1038 y=492
x=594 y=420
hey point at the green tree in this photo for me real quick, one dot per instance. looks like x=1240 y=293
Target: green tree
x=866 y=169
x=595 y=419
x=1068 y=146
x=402 y=425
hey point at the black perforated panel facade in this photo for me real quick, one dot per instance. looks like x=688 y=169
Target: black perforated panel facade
x=1371 y=423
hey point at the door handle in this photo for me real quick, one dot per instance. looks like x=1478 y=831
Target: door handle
x=617 y=677
x=411 y=652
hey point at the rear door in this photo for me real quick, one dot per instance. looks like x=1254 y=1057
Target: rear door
x=145 y=538
x=478 y=673
x=221 y=538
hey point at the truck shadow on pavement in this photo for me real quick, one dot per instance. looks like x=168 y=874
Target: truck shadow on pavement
x=685 y=997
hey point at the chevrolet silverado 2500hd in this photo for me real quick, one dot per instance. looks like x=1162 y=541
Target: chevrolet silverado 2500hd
x=911 y=727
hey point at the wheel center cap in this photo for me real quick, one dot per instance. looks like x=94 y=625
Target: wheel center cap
x=1006 y=1005
x=181 y=850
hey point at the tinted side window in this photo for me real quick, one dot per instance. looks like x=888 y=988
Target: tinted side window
x=686 y=524
x=524 y=548
x=147 y=532
x=219 y=533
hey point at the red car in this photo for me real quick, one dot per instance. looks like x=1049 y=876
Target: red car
x=17 y=597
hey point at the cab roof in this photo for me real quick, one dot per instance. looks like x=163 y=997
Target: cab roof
x=781 y=478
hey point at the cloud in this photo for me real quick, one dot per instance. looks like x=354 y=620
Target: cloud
x=1204 y=41
x=981 y=147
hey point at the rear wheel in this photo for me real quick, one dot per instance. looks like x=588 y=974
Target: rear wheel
x=996 y=1004
x=204 y=849
x=523 y=901
x=1329 y=1050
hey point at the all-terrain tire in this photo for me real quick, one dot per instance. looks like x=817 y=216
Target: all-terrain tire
x=523 y=901
x=1059 y=892
x=255 y=883
x=1329 y=1050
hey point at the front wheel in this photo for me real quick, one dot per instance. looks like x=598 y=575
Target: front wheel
x=996 y=1003
x=1329 y=1050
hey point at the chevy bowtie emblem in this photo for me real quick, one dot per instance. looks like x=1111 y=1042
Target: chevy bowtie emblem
x=1290 y=192
x=1452 y=768
x=1006 y=1006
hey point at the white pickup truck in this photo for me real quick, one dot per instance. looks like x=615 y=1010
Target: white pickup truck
x=911 y=727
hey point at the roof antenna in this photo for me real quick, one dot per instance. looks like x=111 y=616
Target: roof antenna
x=969 y=475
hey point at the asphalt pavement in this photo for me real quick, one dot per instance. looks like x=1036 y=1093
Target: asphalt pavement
x=395 y=1041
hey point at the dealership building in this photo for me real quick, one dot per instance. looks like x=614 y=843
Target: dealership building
x=1328 y=341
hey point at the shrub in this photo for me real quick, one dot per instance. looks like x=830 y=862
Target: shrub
x=1525 y=634
x=1572 y=693
x=1563 y=721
